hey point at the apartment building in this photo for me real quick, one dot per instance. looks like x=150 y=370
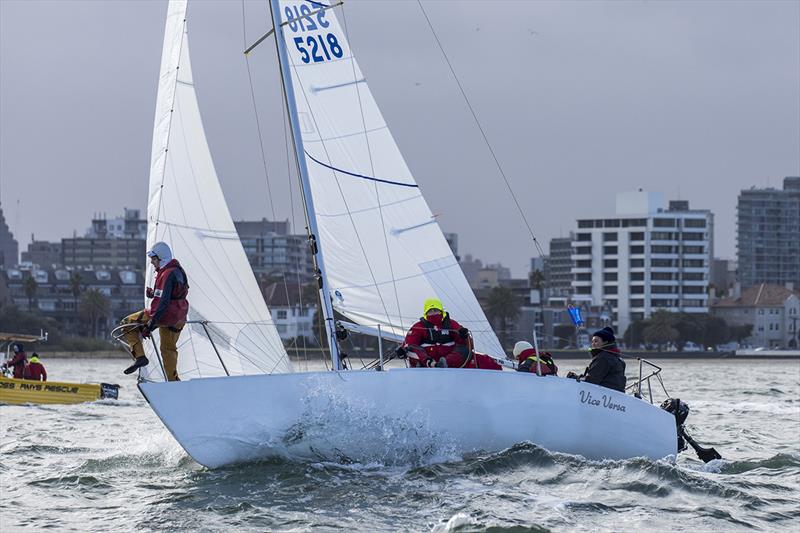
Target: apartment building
x=647 y=257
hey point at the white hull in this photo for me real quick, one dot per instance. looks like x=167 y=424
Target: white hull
x=404 y=416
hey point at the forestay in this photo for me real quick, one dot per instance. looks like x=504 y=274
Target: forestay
x=187 y=209
x=384 y=251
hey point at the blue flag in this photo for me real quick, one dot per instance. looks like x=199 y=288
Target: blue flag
x=575 y=315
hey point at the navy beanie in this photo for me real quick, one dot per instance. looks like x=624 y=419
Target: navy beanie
x=607 y=334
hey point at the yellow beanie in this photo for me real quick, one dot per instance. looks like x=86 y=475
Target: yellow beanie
x=432 y=303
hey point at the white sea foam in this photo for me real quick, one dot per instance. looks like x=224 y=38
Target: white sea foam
x=456 y=521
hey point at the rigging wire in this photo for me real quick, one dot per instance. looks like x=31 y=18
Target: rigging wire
x=261 y=147
x=483 y=133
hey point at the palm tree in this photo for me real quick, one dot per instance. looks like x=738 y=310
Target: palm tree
x=502 y=306
x=30 y=288
x=75 y=285
x=94 y=307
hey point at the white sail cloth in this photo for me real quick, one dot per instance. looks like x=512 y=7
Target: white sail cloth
x=384 y=251
x=187 y=210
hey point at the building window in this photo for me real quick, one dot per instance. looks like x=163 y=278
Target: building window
x=662 y=236
x=583 y=236
x=637 y=263
x=637 y=236
x=660 y=249
x=637 y=249
x=693 y=237
x=610 y=289
x=661 y=276
x=610 y=276
x=637 y=276
x=694 y=250
x=584 y=276
x=637 y=289
x=585 y=224
x=694 y=223
x=583 y=290
x=663 y=263
x=584 y=263
x=664 y=222
x=611 y=223
x=610 y=237
x=610 y=250
x=693 y=263
x=583 y=250
x=634 y=222
x=282 y=314
x=610 y=263
x=637 y=303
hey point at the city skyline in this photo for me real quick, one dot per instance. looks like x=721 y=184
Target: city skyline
x=579 y=101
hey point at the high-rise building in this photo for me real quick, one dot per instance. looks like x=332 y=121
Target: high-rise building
x=43 y=253
x=647 y=257
x=9 y=249
x=768 y=239
x=271 y=250
x=558 y=269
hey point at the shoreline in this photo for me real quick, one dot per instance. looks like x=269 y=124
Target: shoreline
x=317 y=354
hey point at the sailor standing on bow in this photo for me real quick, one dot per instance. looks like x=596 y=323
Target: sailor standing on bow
x=167 y=312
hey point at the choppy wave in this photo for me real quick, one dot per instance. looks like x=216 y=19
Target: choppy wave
x=110 y=466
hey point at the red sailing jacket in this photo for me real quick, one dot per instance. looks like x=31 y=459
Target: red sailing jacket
x=19 y=362
x=548 y=366
x=175 y=307
x=438 y=341
x=36 y=372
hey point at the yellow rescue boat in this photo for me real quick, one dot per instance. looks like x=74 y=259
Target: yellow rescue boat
x=22 y=391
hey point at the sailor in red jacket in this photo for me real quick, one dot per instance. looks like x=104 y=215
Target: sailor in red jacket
x=18 y=362
x=167 y=312
x=36 y=370
x=438 y=340
x=529 y=361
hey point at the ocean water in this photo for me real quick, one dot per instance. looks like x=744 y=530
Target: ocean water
x=112 y=466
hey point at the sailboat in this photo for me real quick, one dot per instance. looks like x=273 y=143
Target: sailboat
x=378 y=252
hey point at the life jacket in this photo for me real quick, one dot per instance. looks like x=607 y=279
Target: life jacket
x=178 y=306
x=548 y=366
x=437 y=336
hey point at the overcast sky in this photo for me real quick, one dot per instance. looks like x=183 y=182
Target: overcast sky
x=579 y=100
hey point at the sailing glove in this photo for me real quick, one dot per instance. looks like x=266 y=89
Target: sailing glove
x=149 y=292
x=147 y=328
x=572 y=375
x=401 y=352
x=464 y=332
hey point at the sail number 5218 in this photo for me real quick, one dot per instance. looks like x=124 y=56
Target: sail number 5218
x=317 y=47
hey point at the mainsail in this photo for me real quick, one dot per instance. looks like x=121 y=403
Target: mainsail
x=384 y=251
x=187 y=210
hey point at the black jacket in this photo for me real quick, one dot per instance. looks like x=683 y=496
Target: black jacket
x=607 y=369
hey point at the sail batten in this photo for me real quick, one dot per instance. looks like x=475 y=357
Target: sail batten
x=384 y=250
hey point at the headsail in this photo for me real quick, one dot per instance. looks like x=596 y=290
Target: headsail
x=187 y=209
x=384 y=250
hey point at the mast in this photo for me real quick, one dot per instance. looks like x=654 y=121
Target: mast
x=308 y=199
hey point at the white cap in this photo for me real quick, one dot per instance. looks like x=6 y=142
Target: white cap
x=521 y=346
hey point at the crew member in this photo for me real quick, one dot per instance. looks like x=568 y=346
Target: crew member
x=36 y=370
x=438 y=340
x=607 y=368
x=18 y=362
x=167 y=312
x=529 y=359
